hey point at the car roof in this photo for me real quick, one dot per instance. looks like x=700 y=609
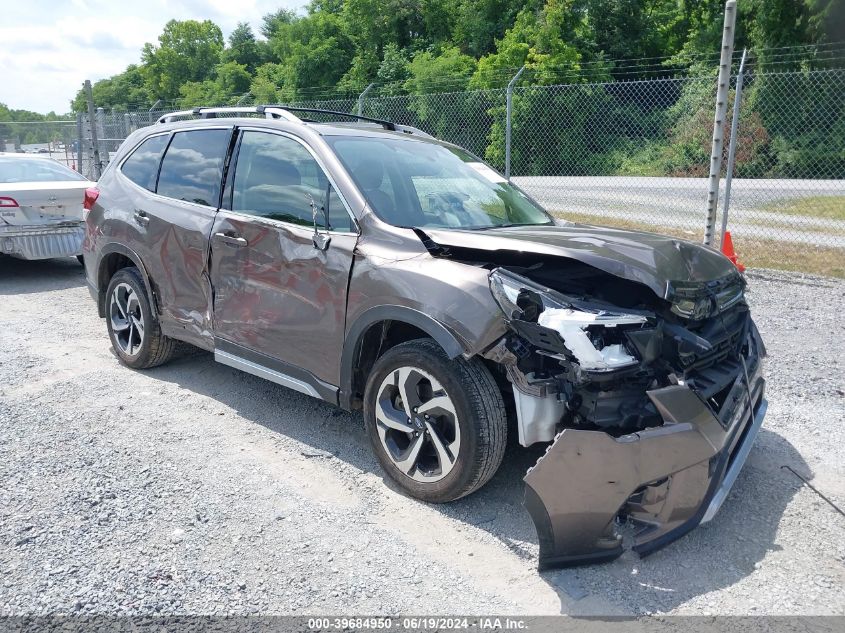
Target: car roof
x=24 y=156
x=289 y=119
x=334 y=128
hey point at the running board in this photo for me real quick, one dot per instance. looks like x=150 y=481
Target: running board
x=265 y=372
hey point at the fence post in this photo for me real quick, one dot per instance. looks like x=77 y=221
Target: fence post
x=92 y=124
x=361 y=99
x=79 y=142
x=508 y=111
x=719 y=118
x=732 y=148
x=150 y=115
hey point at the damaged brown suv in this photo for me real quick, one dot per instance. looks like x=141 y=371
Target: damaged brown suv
x=371 y=266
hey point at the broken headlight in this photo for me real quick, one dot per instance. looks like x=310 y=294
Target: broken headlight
x=589 y=332
x=701 y=300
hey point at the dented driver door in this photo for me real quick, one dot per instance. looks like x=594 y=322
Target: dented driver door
x=280 y=298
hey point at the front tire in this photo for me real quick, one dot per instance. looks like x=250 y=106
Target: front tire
x=133 y=328
x=437 y=426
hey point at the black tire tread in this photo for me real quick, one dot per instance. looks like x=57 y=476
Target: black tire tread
x=161 y=347
x=487 y=407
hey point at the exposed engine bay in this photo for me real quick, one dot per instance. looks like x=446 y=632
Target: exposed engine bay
x=596 y=347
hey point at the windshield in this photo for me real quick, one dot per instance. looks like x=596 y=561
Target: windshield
x=412 y=183
x=35 y=170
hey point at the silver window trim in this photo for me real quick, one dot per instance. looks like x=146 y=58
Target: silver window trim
x=356 y=230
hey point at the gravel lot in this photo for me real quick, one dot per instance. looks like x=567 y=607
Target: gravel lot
x=193 y=488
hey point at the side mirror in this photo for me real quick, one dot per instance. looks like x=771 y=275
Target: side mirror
x=320 y=241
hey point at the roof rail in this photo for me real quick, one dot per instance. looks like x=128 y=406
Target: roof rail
x=286 y=113
x=387 y=125
x=269 y=112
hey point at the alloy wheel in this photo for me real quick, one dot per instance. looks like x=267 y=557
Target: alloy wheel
x=418 y=424
x=127 y=319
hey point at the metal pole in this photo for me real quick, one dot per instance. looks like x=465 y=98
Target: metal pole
x=92 y=124
x=732 y=148
x=102 y=134
x=508 y=111
x=79 y=142
x=719 y=119
x=150 y=111
x=361 y=99
x=242 y=97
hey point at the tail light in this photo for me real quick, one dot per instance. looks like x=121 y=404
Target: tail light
x=8 y=203
x=91 y=195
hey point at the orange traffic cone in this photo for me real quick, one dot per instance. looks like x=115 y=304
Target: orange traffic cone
x=729 y=252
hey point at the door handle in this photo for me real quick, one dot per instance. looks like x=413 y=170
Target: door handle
x=231 y=240
x=141 y=218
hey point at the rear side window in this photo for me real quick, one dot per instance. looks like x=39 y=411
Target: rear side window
x=193 y=166
x=142 y=166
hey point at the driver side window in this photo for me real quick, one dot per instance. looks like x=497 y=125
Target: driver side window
x=276 y=177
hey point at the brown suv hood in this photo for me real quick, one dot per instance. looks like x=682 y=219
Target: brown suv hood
x=656 y=261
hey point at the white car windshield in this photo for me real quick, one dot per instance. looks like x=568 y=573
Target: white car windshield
x=414 y=183
x=35 y=170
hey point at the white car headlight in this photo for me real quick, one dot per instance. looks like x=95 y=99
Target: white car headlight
x=579 y=327
x=572 y=326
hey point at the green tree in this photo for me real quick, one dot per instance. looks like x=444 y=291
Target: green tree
x=439 y=100
x=410 y=24
x=316 y=51
x=187 y=51
x=270 y=84
x=450 y=70
x=393 y=71
x=124 y=91
x=244 y=49
x=272 y=22
x=362 y=71
x=548 y=123
x=479 y=23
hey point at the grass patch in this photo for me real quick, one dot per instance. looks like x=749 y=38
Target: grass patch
x=753 y=252
x=828 y=207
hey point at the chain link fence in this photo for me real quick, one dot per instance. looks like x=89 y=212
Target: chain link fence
x=635 y=154
x=54 y=138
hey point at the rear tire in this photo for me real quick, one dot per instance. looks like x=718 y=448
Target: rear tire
x=133 y=328
x=450 y=438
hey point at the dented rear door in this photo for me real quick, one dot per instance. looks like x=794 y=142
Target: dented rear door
x=175 y=226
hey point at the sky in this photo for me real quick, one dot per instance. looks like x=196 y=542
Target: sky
x=50 y=47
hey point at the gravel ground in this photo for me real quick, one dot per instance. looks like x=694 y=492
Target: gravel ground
x=193 y=488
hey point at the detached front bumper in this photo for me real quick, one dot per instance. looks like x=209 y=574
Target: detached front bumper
x=666 y=480
x=42 y=241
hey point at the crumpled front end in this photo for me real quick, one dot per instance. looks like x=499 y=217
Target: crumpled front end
x=666 y=480
x=42 y=241
x=651 y=410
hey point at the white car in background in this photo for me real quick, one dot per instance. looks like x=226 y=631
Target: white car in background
x=41 y=207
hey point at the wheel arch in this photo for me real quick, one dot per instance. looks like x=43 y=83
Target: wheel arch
x=374 y=326
x=113 y=257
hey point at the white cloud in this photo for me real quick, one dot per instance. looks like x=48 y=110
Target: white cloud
x=50 y=48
